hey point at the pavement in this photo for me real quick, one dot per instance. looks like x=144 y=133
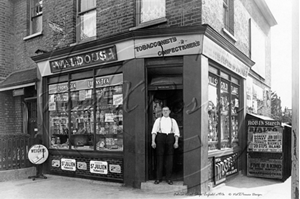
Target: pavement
x=59 y=187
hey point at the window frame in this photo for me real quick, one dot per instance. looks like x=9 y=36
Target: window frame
x=80 y=13
x=68 y=79
x=234 y=81
x=228 y=17
x=140 y=24
x=33 y=16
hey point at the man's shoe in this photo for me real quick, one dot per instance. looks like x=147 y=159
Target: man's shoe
x=157 y=181
x=170 y=182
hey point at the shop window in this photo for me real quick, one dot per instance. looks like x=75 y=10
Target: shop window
x=84 y=117
x=36 y=16
x=151 y=10
x=223 y=110
x=86 y=20
x=228 y=15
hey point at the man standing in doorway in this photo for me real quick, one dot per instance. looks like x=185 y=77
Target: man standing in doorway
x=165 y=134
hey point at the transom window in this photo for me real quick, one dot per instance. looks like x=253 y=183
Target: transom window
x=86 y=20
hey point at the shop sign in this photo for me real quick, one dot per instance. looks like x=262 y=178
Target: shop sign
x=267 y=123
x=82 y=165
x=168 y=46
x=99 y=167
x=218 y=54
x=68 y=164
x=225 y=166
x=103 y=81
x=96 y=57
x=55 y=163
x=264 y=166
x=115 y=168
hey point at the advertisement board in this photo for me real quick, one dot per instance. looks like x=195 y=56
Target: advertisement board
x=225 y=166
x=264 y=136
x=265 y=165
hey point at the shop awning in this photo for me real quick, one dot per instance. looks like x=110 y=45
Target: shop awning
x=262 y=117
x=19 y=79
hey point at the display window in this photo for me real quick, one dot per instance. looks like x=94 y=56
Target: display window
x=87 y=117
x=223 y=110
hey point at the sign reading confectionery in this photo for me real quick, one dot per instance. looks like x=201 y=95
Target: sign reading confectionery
x=95 y=57
x=168 y=46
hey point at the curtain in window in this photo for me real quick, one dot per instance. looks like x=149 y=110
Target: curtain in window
x=25 y=117
x=152 y=9
x=88 y=25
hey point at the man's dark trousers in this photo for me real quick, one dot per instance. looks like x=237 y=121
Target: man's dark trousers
x=164 y=151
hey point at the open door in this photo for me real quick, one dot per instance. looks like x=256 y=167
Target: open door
x=174 y=100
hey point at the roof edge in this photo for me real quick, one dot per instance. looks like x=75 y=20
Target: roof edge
x=266 y=12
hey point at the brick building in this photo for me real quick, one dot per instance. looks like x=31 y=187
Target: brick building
x=91 y=77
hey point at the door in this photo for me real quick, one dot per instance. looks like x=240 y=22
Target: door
x=32 y=117
x=174 y=100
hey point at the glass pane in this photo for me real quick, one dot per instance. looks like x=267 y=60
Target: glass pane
x=224 y=122
x=234 y=114
x=88 y=25
x=58 y=116
x=152 y=9
x=109 y=115
x=213 y=117
x=37 y=24
x=82 y=116
x=86 y=5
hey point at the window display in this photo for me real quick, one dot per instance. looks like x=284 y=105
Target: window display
x=223 y=110
x=93 y=115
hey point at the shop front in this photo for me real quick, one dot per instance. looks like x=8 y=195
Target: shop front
x=98 y=102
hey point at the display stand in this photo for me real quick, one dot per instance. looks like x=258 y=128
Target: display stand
x=37 y=155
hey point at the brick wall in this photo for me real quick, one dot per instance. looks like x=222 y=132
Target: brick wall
x=7 y=118
x=6 y=11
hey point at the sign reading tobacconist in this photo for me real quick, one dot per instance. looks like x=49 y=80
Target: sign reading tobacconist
x=95 y=57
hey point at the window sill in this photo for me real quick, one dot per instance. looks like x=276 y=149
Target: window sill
x=149 y=23
x=227 y=33
x=33 y=35
x=222 y=152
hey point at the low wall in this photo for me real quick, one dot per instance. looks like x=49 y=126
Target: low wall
x=17 y=174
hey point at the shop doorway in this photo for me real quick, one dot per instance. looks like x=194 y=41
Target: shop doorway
x=173 y=98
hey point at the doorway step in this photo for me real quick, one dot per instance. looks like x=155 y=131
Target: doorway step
x=164 y=188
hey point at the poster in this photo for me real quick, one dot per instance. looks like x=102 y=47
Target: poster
x=264 y=136
x=115 y=168
x=82 y=165
x=117 y=99
x=99 y=167
x=264 y=165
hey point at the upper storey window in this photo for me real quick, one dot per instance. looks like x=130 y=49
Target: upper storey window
x=86 y=20
x=36 y=16
x=151 y=10
x=228 y=15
